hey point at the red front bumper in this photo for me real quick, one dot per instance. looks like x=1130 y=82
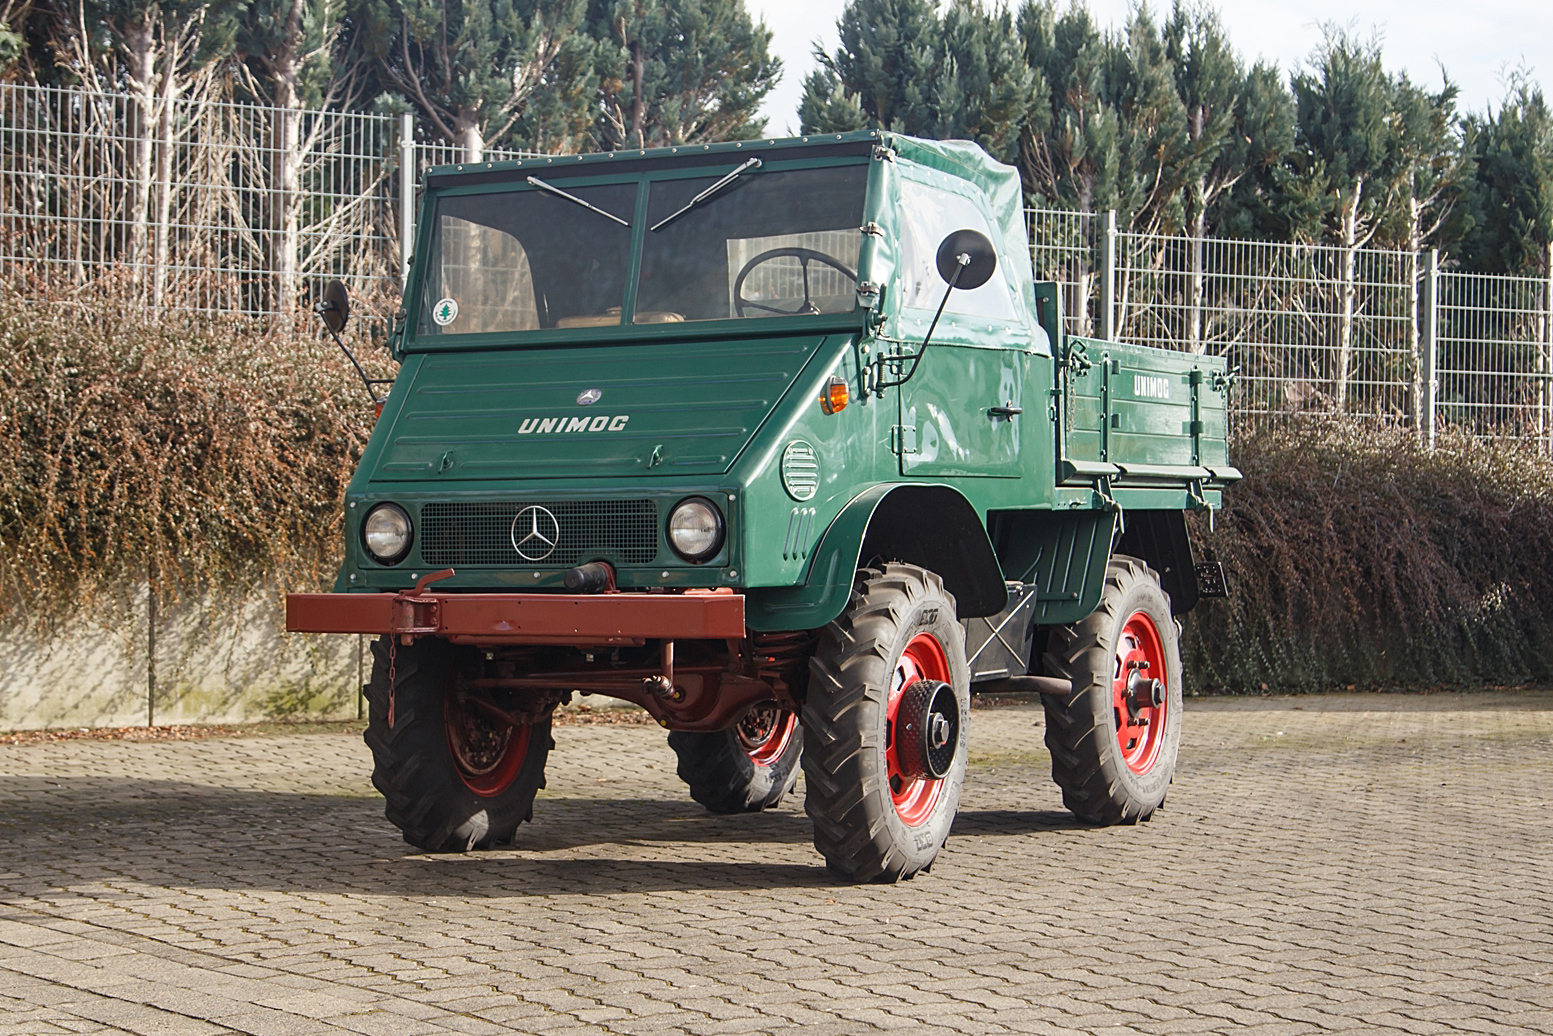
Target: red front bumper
x=584 y=619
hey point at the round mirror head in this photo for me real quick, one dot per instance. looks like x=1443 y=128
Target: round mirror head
x=336 y=305
x=968 y=250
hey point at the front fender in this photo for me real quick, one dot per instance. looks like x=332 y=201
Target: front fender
x=933 y=526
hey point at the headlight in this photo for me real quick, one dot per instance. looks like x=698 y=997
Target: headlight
x=696 y=529
x=387 y=534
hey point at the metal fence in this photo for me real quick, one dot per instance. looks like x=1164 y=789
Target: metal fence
x=246 y=209
x=1317 y=329
x=206 y=205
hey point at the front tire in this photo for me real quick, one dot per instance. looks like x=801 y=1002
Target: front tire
x=885 y=726
x=452 y=777
x=1114 y=739
x=746 y=768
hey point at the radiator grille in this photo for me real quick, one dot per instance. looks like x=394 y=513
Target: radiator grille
x=623 y=531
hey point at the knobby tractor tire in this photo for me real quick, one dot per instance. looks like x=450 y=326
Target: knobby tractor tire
x=746 y=768
x=453 y=779
x=1113 y=741
x=885 y=743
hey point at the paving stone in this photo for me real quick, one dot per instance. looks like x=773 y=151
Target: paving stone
x=1352 y=863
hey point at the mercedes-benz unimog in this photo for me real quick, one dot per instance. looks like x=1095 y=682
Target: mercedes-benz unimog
x=780 y=441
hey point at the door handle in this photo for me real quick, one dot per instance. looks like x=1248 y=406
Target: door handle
x=1006 y=410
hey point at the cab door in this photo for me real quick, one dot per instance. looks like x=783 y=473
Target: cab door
x=962 y=413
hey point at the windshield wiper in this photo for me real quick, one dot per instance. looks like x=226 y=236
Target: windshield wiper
x=753 y=163
x=537 y=182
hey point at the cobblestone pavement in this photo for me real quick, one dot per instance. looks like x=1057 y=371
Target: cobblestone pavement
x=1374 y=864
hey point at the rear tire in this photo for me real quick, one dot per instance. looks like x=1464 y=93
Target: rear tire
x=1113 y=750
x=746 y=768
x=890 y=669
x=452 y=778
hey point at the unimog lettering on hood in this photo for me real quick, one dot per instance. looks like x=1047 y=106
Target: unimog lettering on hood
x=853 y=466
x=592 y=423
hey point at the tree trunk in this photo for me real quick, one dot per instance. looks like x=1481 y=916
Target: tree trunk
x=1196 y=278
x=140 y=64
x=286 y=187
x=1415 y=247
x=164 y=177
x=470 y=140
x=1347 y=288
x=638 y=101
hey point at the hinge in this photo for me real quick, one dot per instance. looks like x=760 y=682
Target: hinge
x=872 y=229
x=903 y=439
x=884 y=154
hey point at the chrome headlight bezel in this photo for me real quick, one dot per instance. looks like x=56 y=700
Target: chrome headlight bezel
x=387 y=511
x=719 y=529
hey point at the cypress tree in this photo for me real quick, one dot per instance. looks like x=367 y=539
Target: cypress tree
x=472 y=68
x=680 y=71
x=900 y=67
x=1511 y=186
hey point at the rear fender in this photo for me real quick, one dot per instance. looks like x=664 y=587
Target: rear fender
x=928 y=525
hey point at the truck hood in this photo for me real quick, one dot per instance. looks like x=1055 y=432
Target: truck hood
x=660 y=409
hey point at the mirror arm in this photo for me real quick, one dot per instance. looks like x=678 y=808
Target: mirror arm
x=325 y=307
x=964 y=260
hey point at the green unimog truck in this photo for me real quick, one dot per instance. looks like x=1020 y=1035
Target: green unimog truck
x=780 y=441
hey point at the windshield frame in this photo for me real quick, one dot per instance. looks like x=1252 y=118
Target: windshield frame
x=625 y=331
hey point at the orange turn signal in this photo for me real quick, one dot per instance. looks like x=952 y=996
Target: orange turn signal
x=836 y=396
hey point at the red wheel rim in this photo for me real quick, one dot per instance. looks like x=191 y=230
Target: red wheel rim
x=1140 y=659
x=487 y=753
x=765 y=732
x=923 y=659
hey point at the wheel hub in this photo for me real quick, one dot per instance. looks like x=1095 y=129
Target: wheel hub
x=927 y=728
x=487 y=752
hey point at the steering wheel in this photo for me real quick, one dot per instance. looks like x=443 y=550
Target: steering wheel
x=804 y=257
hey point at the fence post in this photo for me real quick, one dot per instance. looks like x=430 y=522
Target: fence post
x=1545 y=360
x=406 y=195
x=1429 y=320
x=1108 y=279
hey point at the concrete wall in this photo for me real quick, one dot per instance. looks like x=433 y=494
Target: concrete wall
x=217 y=661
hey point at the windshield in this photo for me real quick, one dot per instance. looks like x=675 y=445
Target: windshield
x=528 y=259
x=765 y=244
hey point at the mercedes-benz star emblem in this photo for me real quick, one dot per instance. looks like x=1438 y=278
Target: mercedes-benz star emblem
x=587 y=397
x=535 y=532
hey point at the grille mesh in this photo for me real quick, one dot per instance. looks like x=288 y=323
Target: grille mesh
x=623 y=531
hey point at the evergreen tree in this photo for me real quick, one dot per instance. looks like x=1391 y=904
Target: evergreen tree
x=826 y=108
x=899 y=67
x=473 y=67
x=292 y=59
x=1154 y=146
x=681 y=71
x=1236 y=123
x=1342 y=172
x=1070 y=156
x=1511 y=185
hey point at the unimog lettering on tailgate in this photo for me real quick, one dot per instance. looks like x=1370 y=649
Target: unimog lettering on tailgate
x=1150 y=387
x=602 y=423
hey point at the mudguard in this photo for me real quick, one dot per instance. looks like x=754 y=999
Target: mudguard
x=933 y=526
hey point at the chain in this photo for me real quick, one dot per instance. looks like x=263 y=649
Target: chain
x=393 y=651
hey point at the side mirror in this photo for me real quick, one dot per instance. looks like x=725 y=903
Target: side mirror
x=966 y=260
x=335 y=305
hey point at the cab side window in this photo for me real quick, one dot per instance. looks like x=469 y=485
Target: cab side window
x=928 y=215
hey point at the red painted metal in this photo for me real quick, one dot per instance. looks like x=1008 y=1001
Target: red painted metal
x=487 y=752
x=765 y=732
x=1140 y=728
x=579 y=620
x=923 y=659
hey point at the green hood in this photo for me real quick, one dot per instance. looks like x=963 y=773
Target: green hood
x=659 y=409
